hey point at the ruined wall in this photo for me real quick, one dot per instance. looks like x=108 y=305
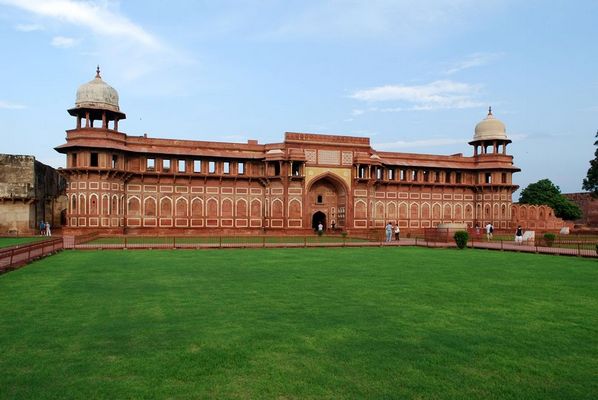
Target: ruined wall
x=588 y=205
x=29 y=192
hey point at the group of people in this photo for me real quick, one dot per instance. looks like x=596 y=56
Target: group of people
x=45 y=228
x=390 y=229
x=490 y=232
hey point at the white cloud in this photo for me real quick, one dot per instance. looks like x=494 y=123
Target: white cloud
x=95 y=16
x=29 y=27
x=441 y=94
x=63 y=42
x=433 y=142
x=10 y=106
x=112 y=40
x=472 y=61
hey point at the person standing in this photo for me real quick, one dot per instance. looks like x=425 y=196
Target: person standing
x=519 y=235
x=320 y=229
x=397 y=232
x=489 y=231
x=48 y=230
x=388 y=232
x=42 y=228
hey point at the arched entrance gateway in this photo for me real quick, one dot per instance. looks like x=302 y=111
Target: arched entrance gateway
x=327 y=202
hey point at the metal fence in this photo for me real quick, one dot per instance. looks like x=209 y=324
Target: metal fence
x=502 y=240
x=16 y=256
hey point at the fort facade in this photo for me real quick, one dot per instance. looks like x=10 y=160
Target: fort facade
x=119 y=183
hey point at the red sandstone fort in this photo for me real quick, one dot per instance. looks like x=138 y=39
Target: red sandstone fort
x=135 y=184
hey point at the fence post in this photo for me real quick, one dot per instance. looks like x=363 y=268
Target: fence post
x=501 y=245
x=304 y=241
x=29 y=254
x=578 y=249
x=125 y=242
x=12 y=253
x=174 y=242
x=220 y=237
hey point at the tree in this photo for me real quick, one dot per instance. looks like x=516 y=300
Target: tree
x=546 y=192
x=590 y=182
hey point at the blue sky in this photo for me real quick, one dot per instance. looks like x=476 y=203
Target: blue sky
x=414 y=76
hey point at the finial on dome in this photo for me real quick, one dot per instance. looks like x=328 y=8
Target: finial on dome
x=98 y=72
x=490 y=110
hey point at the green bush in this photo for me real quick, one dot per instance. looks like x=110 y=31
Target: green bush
x=461 y=238
x=344 y=234
x=549 y=239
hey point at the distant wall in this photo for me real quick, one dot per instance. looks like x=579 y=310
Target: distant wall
x=29 y=193
x=588 y=205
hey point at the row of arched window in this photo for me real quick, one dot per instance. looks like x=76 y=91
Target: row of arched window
x=418 y=210
x=196 y=207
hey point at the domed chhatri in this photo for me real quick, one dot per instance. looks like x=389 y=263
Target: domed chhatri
x=97 y=94
x=490 y=128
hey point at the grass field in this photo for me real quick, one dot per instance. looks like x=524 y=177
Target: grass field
x=13 y=241
x=347 y=323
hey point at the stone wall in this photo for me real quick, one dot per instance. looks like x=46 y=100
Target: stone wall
x=588 y=205
x=536 y=217
x=29 y=192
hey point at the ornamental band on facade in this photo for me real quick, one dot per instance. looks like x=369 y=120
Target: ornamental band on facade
x=135 y=184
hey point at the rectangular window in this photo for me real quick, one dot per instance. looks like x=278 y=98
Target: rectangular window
x=488 y=177
x=403 y=175
x=93 y=161
x=437 y=177
x=226 y=167
x=151 y=164
x=414 y=175
x=182 y=166
x=196 y=165
x=114 y=161
x=391 y=174
x=426 y=176
x=165 y=165
x=504 y=177
x=378 y=173
x=240 y=168
x=74 y=160
x=276 y=169
x=296 y=167
x=458 y=177
x=212 y=167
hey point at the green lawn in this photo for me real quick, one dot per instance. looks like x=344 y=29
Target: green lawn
x=344 y=323
x=13 y=241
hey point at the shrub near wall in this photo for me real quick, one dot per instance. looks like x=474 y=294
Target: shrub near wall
x=461 y=238
x=549 y=239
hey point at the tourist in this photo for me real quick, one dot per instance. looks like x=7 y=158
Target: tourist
x=320 y=228
x=397 y=232
x=333 y=224
x=519 y=235
x=388 y=232
x=48 y=231
x=42 y=228
x=489 y=231
x=477 y=230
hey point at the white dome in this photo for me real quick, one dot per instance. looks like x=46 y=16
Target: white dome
x=490 y=128
x=97 y=94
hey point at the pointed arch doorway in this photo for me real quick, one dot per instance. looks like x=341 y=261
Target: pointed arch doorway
x=318 y=218
x=327 y=202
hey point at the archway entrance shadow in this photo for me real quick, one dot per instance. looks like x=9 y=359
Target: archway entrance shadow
x=318 y=218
